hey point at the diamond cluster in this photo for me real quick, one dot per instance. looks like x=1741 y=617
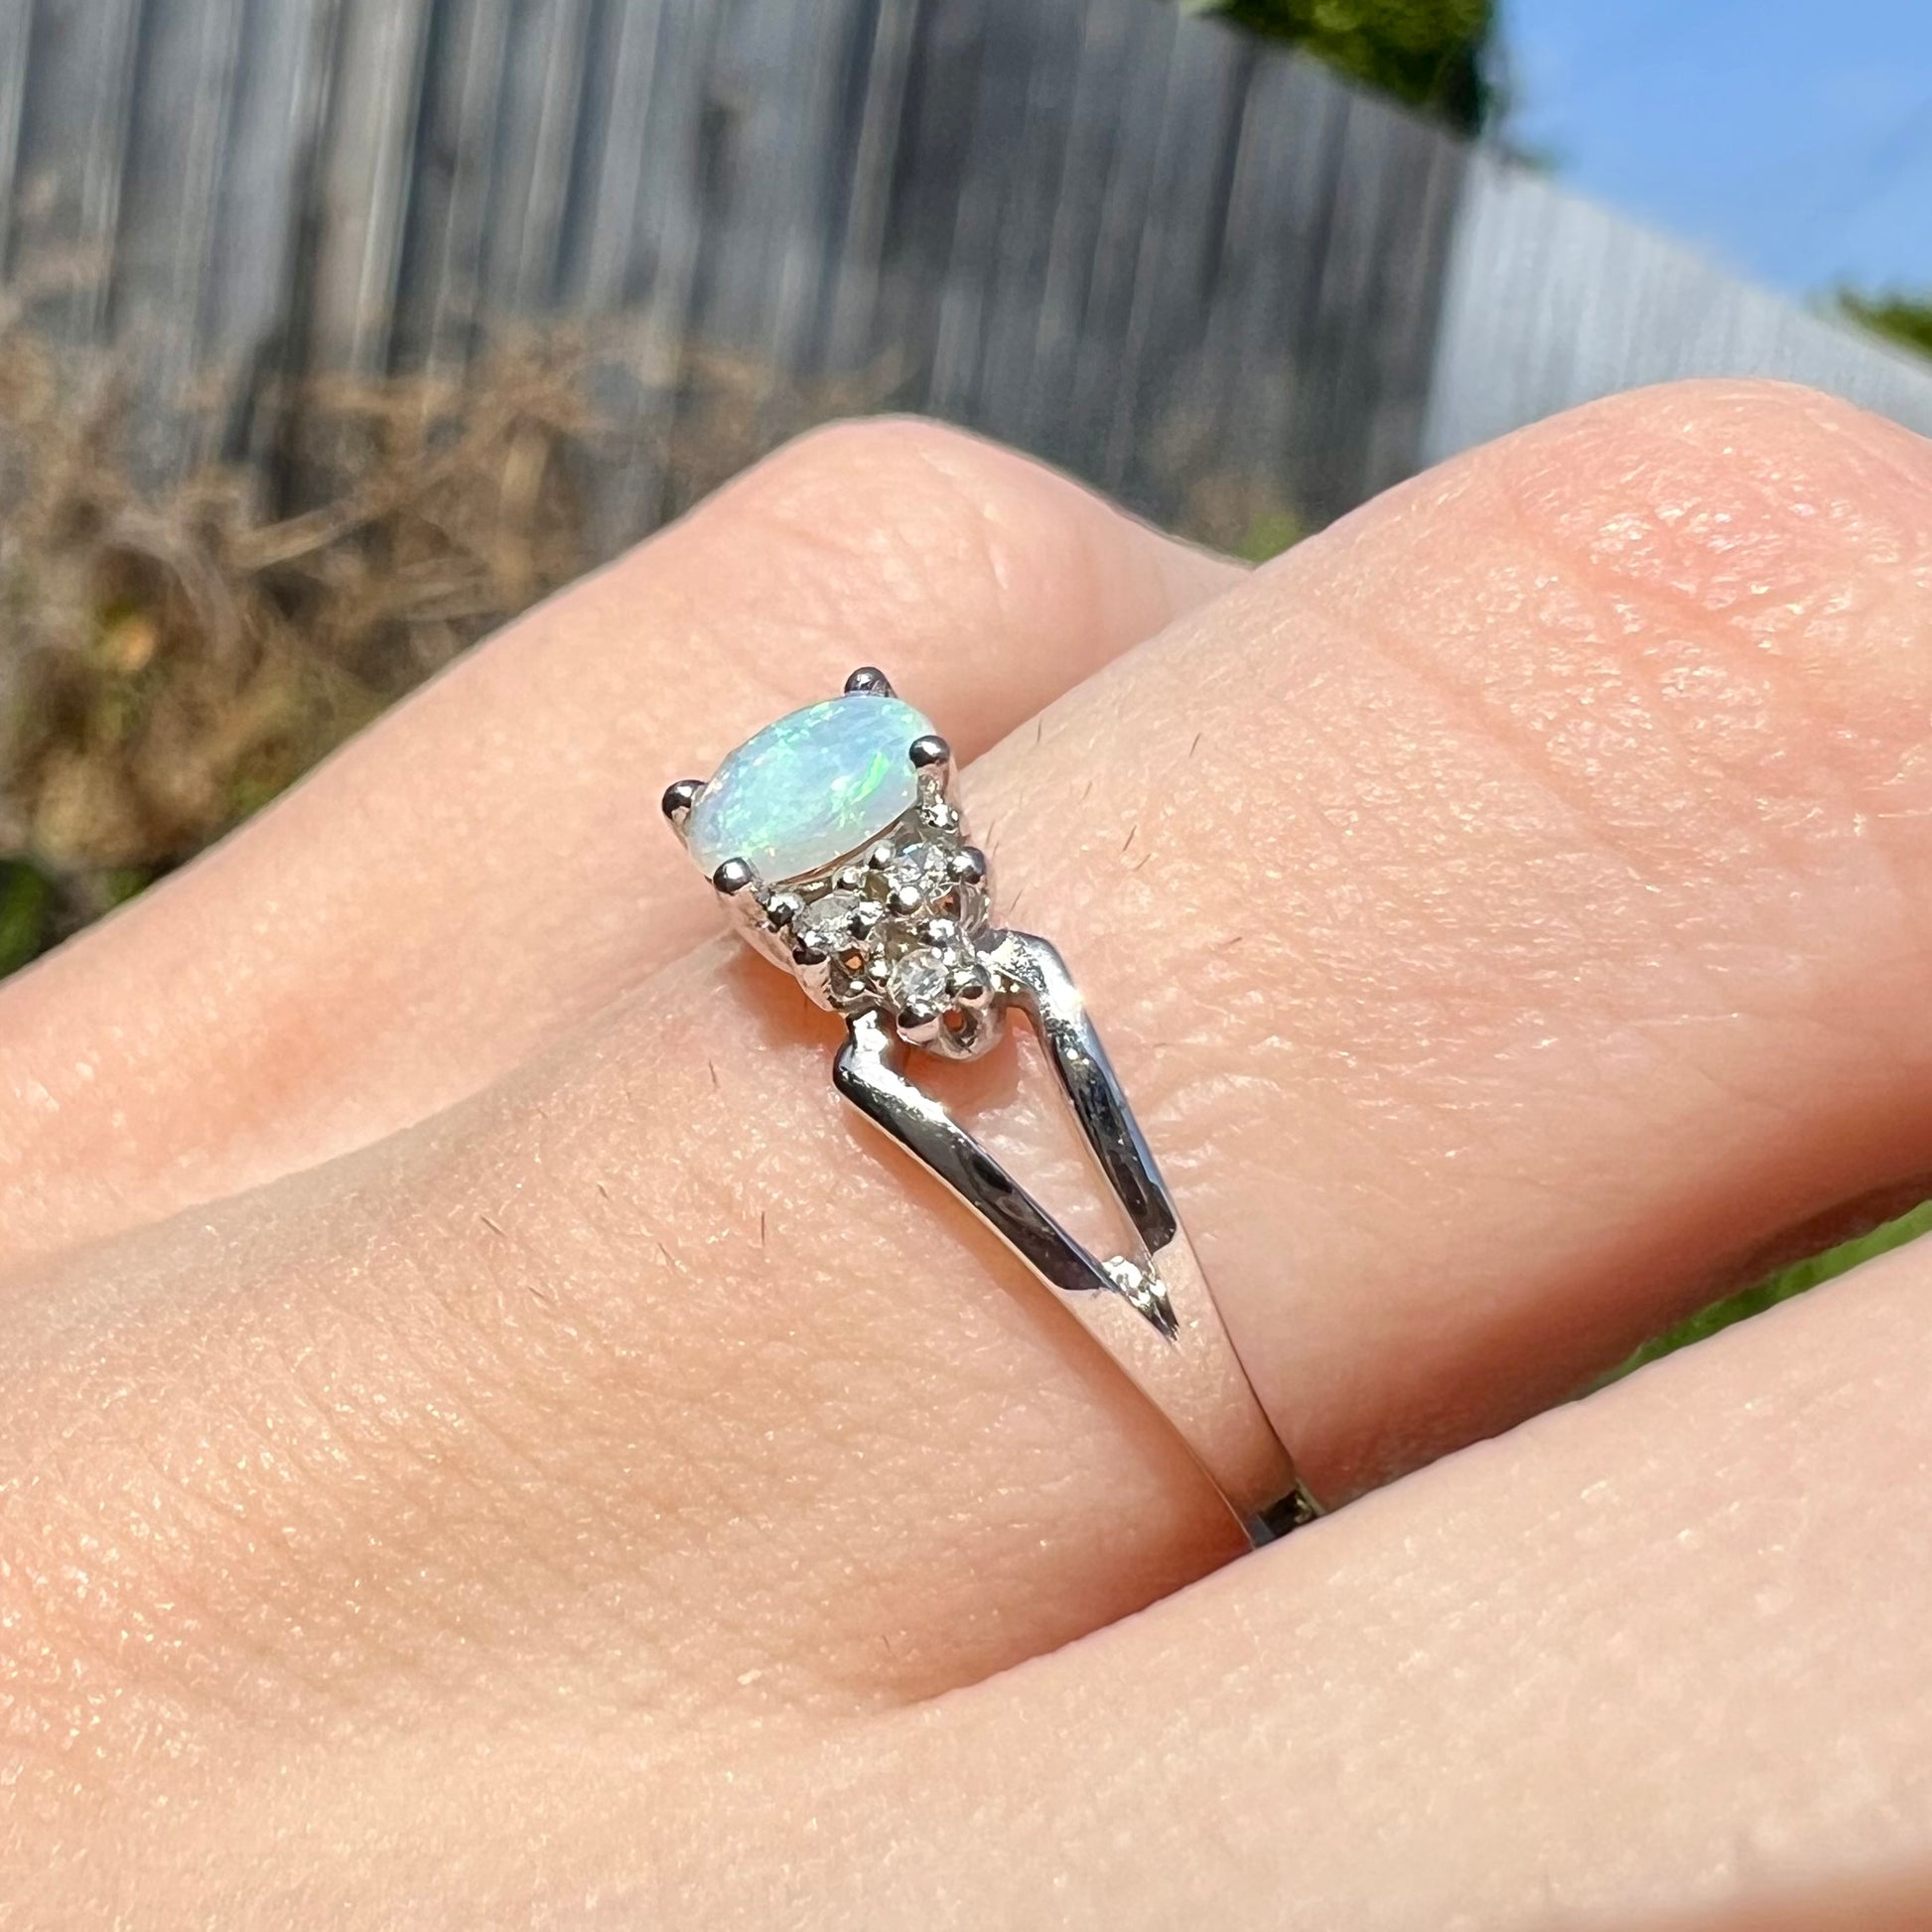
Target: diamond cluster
x=898 y=928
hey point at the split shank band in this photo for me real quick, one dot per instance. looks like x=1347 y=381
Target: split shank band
x=832 y=841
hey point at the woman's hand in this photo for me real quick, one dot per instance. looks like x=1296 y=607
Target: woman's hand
x=608 y=1490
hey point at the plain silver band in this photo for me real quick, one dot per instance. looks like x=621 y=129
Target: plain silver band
x=1153 y=1312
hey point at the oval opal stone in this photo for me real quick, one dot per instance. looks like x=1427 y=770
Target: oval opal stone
x=811 y=789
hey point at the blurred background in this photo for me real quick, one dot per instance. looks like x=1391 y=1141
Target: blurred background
x=332 y=333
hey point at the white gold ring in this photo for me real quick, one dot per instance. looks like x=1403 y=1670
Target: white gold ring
x=832 y=842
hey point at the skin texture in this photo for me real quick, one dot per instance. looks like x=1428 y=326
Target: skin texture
x=623 y=1495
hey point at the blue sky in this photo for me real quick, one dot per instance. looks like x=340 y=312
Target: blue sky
x=1792 y=138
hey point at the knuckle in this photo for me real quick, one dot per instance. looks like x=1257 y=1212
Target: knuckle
x=868 y=462
x=1757 y=509
x=1674 y=643
x=922 y=517
x=1766 y=547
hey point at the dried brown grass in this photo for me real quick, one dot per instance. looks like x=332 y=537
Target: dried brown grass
x=173 y=655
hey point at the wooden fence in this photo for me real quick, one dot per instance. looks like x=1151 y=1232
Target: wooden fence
x=1550 y=301
x=1131 y=240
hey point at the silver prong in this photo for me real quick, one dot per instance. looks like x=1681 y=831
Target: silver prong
x=733 y=880
x=938 y=933
x=930 y=752
x=904 y=900
x=878 y=970
x=880 y=855
x=868 y=681
x=678 y=800
x=968 y=865
x=782 y=907
x=865 y=916
x=970 y=986
x=919 y=1025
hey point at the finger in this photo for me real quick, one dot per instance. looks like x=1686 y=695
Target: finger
x=1457 y=1097
x=1653 y=1662
x=1546 y=926
x=479 y=872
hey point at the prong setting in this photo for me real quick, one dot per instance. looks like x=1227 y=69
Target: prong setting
x=920 y=1026
x=677 y=802
x=898 y=927
x=932 y=758
x=971 y=986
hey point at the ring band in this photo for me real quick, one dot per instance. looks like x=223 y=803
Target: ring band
x=832 y=841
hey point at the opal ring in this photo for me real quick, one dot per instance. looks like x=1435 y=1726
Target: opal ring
x=834 y=846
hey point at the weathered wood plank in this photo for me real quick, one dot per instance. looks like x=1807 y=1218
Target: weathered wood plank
x=72 y=150
x=630 y=39
x=439 y=297
x=366 y=177
x=1025 y=161
x=1168 y=291
x=967 y=259
x=182 y=100
x=932 y=160
x=1258 y=346
x=1096 y=87
x=881 y=63
x=16 y=35
x=643 y=269
x=544 y=80
x=273 y=136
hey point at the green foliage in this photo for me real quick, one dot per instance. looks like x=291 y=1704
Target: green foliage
x=26 y=904
x=1432 y=54
x=1267 y=533
x=1783 y=1285
x=1903 y=319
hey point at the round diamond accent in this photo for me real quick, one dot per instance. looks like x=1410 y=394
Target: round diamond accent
x=919 y=981
x=825 y=925
x=924 y=866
